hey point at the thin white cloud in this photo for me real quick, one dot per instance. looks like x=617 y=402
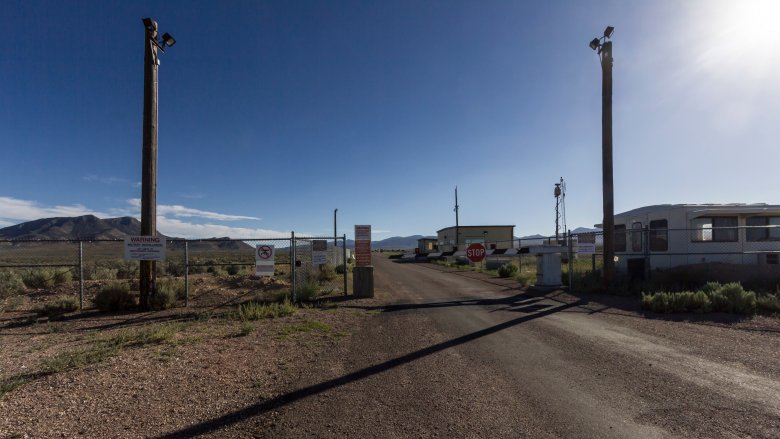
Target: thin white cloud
x=380 y=232
x=26 y=210
x=5 y=223
x=195 y=196
x=180 y=229
x=188 y=212
x=92 y=178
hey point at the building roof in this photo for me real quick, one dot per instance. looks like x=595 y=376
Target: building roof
x=730 y=207
x=703 y=209
x=472 y=227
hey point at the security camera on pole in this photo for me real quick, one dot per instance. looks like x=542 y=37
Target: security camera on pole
x=149 y=165
x=604 y=48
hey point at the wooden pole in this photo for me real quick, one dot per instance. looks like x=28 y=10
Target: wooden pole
x=606 y=160
x=149 y=164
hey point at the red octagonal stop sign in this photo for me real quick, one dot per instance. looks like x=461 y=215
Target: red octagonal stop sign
x=475 y=252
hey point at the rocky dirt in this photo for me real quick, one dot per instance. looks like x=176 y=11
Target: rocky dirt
x=438 y=353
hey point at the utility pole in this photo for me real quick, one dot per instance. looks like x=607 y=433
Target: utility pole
x=557 y=193
x=335 y=236
x=457 y=224
x=604 y=48
x=149 y=163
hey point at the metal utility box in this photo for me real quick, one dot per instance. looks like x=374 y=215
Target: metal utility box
x=548 y=265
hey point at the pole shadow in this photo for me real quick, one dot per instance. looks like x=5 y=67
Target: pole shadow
x=296 y=395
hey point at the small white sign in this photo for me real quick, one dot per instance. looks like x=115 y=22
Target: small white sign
x=144 y=248
x=586 y=248
x=319 y=252
x=264 y=260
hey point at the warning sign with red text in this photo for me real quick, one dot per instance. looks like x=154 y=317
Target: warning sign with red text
x=363 y=245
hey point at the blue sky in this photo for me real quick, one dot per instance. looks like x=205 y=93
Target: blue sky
x=272 y=114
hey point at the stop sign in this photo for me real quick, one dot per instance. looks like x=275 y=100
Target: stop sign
x=475 y=252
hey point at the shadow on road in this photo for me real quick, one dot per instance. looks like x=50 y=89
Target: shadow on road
x=282 y=400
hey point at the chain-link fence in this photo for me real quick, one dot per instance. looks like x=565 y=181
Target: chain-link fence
x=660 y=257
x=211 y=271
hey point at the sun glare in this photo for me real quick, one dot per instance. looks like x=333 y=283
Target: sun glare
x=755 y=22
x=737 y=38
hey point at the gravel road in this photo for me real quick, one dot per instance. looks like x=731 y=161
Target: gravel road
x=461 y=355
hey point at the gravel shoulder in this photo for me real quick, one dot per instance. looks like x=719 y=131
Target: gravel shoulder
x=438 y=353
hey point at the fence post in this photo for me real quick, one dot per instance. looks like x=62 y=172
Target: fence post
x=292 y=266
x=344 y=260
x=647 y=252
x=81 y=275
x=571 y=259
x=186 y=274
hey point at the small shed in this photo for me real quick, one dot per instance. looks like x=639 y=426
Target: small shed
x=427 y=245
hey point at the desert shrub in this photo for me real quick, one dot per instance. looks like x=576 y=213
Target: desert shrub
x=658 y=302
x=256 y=311
x=11 y=284
x=307 y=291
x=232 y=270
x=62 y=277
x=740 y=301
x=507 y=270
x=173 y=268
x=769 y=303
x=128 y=270
x=217 y=270
x=700 y=302
x=175 y=286
x=97 y=272
x=60 y=305
x=162 y=299
x=342 y=269
x=197 y=269
x=327 y=273
x=40 y=278
x=711 y=287
x=713 y=296
x=114 y=297
x=525 y=279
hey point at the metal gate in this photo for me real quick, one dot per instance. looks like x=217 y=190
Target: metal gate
x=319 y=266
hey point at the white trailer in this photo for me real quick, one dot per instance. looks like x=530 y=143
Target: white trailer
x=670 y=235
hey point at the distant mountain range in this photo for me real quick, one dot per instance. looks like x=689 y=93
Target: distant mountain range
x=90 y=228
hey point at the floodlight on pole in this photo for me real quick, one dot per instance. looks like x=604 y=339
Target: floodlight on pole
x=168 y=40
x=608 y=32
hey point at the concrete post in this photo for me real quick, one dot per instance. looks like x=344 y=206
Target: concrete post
x=363 y=281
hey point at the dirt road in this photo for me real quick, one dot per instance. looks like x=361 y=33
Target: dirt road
x=454 y=356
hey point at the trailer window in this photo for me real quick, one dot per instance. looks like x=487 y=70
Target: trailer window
x=763 y=228
x=714 y=229
x=636 y=237
x=658 y=235
x=620 y=237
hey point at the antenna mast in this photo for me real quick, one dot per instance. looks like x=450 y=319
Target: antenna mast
x=560 y=207
x=457 y=224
